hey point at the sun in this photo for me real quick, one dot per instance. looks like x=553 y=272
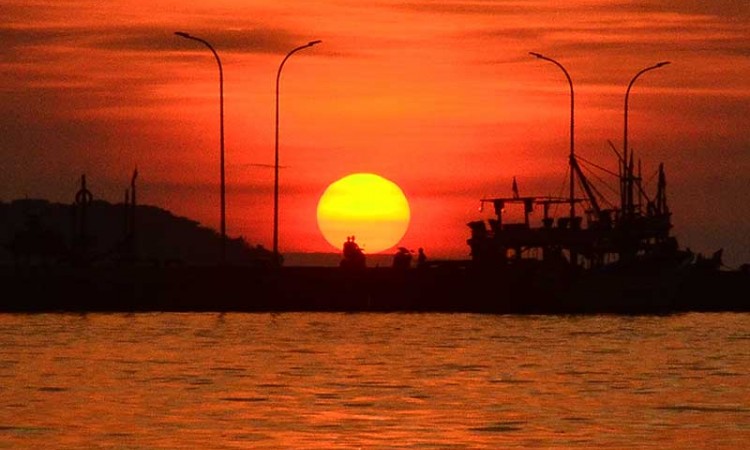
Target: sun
x=369 y=207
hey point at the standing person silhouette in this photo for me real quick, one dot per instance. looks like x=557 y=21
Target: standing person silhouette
x=421 y=258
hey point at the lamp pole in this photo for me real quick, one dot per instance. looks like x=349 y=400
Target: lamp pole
x=572 y=140
x=223 y=225
x=276 y=156
x=626 y=187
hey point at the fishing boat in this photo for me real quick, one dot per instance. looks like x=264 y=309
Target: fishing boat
x=599 y=256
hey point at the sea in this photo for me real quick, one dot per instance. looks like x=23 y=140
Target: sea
x=374 y=381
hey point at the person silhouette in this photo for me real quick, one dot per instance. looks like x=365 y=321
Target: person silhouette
x=353 y=256
x=402 y=258
x=421 y=258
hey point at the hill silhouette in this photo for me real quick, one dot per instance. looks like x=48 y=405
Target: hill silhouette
x=36 y=231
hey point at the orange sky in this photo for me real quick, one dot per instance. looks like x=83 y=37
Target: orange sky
x=440 y=97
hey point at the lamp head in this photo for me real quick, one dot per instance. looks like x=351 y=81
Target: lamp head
x=182 y=34
x=311 y=43
x=536 y=55
x=663 y=63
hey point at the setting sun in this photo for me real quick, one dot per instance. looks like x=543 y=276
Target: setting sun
x=367 y=206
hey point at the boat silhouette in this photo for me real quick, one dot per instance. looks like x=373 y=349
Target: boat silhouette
x=622 y=256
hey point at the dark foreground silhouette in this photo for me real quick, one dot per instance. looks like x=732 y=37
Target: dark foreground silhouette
x=449 y=287
x=51 y=262
x=39 y=233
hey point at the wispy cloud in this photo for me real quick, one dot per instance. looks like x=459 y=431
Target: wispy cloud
x=145 y=38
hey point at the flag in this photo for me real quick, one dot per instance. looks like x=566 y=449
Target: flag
x=515 y=188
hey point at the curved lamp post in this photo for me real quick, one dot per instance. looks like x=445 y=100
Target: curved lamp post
x=276 y=155
x=572 y=140
x=627 y=188
x=221 y=127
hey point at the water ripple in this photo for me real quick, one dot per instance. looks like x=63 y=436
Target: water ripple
x=376 y=381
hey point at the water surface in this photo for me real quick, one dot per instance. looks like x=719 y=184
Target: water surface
x=376 y=381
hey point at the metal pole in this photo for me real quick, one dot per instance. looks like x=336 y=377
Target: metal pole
x=223 y=225
x=276 y=156
x=572 y=140
x=626 y=184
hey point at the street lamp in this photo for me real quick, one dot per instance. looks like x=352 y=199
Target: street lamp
x=572 y=151
x=627 y=188
x=276 y=155
x=221 y=127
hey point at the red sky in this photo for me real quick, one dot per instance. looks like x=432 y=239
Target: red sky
x=440 y=97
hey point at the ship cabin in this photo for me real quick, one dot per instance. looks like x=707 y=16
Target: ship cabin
x=638 y=228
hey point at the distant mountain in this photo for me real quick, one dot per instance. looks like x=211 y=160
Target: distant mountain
x=38 y=231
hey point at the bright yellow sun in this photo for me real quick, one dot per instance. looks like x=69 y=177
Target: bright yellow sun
x=369 y=207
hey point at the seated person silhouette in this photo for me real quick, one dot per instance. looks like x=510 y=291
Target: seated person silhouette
x=353 y=256
x=402 y=258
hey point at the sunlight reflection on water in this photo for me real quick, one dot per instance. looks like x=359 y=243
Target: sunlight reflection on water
x=373 y=381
